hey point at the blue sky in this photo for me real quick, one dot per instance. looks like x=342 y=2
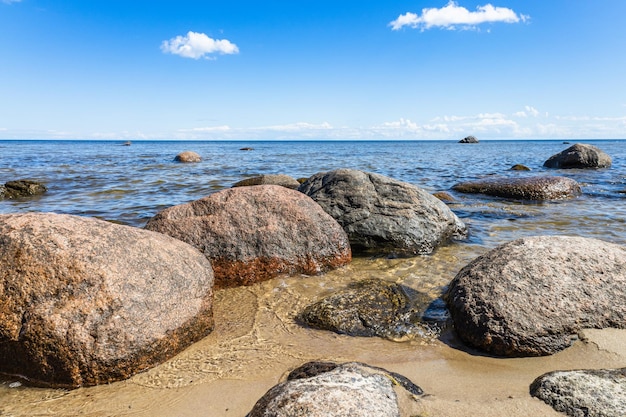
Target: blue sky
x=186 y=69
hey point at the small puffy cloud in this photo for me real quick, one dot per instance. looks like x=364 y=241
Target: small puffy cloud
x=453 y=16
x=197 y=45
x=527 y=112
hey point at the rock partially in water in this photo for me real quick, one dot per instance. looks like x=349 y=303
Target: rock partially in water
x=370 y=308
x=384 y=215
x=469 y=139
x=532 y=296
x=529 y=188
x=579 y=156
x=22 y=188
x=270 y=179
x=188 y=157
x=88 y=302
x=326 y=389
x=252 y=234
x=519 y=167
x=592 y=393
x=444 y=196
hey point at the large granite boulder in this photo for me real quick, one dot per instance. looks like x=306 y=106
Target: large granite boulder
x=326 y=389
x=369 y=308
x=526 y=188
x=275 y=179
x=579 y=156
x=532 y=296
x=22 y=188
x=86 y=302
x=254 y=233
x=469 y=139
x=384 y=215
x=584 y=393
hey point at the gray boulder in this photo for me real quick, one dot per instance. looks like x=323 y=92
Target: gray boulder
x=528 y=188
x=584 y=393
x=335 y=390
x=370 y=308
x=579 y=156
x=252 y=234
x=88 y=302
x=469 y=139
x=532 y=296
x=275 y=179
x=22 y=188
x=384 y=215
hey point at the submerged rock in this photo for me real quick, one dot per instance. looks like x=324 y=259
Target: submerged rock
x=529 y=188
x=519 y=167
x=22 y=188
x=88 y=302
x=579 y=156
x=384 y=215
x=589 y=393
x=188 y=157
x=532 y=296
x=270 y=179
x=370 y=308
x=252 y=234
x=326 y=389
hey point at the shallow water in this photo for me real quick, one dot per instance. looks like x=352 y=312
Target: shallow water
x=256 y=339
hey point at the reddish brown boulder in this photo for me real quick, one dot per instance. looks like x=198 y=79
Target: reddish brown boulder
x=273 y=179
x=86 y=302
x=527 y=188
x=254 y=233
x=188 y=156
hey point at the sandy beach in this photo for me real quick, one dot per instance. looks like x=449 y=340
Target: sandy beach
x=256 y=342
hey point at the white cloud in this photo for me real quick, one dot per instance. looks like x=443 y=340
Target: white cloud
x=453 y=16
x=198 y=45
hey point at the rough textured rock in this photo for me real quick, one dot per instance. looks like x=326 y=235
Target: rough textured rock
x=188 y=156
x=254 y=233
x=21 y=188
x=384 y=215
x=584 y=393
x=531 y=296
x=579 y=156
x=272 y=179
x=469 y=139
x=444 y=196
x=329 y=390
x=370 y=308
x=87 y=302
x=529 y=188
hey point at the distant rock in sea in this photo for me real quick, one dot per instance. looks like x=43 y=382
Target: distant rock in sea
x=469 y=139
x=187 y=157
x=531 y=296
x=579 y=156
x=87 y=302
x=254 y=233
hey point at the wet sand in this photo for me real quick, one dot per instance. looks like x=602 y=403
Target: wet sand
x=257 y=342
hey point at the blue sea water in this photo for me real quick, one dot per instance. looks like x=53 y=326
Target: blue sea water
x=130 y=184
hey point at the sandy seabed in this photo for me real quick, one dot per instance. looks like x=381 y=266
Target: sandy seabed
x=256 y=342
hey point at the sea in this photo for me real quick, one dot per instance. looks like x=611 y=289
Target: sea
x=256 y=339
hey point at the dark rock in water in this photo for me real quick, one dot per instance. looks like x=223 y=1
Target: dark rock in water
x=188 y=157
x=336 y=390
x=252 y=234
x=592 y=393
x=272 y=179
x=246 y=149
x=384 y=215
x=469 y=139
x=88 y=302
x=22 y=188
x=532 y=296
x=444 y=196
x=519 y=167
x=370 y=308
x=579 y=156
x=529 y=188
